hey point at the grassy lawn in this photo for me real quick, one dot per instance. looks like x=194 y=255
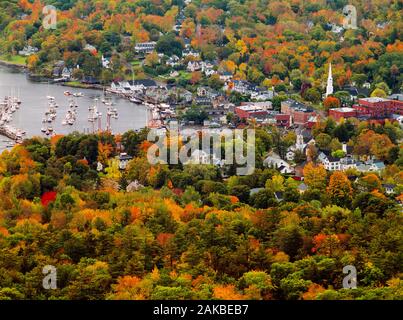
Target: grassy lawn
x=184 y=75
x=14 y=59
x=76 y=84
x=136 y=63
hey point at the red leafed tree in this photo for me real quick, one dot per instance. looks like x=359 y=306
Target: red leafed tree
x=331 y=102
x=48 y=197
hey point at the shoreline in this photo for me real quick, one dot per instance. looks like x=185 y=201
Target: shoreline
x=13 y=65
x=39 y=79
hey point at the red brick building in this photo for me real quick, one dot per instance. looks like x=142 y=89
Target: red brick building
x=251 y=112
x=345 y=113
x=378 y=107
x=283 y=120
x=300 y=114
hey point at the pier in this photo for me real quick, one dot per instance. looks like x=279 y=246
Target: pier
x=11 y=133
x=8 y=107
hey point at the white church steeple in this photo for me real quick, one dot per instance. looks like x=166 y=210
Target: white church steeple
x=329 y=88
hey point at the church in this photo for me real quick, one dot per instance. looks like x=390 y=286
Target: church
x=329 y=87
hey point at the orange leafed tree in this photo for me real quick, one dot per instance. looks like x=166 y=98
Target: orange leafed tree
x=331 y=102
x=227 y=292
x=339 y=189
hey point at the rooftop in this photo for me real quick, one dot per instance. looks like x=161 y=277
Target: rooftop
x=251 y=108
x=374 y=99
x=344 y=109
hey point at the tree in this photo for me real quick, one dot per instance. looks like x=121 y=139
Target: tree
x=241 y=192
x=315 y=176
x=169 y=45
x=312 y=95
x=262 y=199
x=196 y=114
x=151 y=60
x=339 y=189
x=93 y=280
x=289 y=239
x=369 y=183
x=293 y=287
x=190 y=196
x=371 y=143
x=214 y=82
x=196 y=77
x=257 y=281
x=323 y=140
x=331 y=102
x=379 y=93
x=338 y=154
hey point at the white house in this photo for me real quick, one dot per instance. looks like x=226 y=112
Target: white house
x=145 y=47
x=389 y=188
x=207 y=68
x=274 y=161
x=67 y=73
x=190 y=52
x=202 y=157
x=90 y=47
x=105 y=62
x=173 y=61
x=124 y=159
x=225 y=76
x=371 y=166
x=28 y=50
x=300 y=146
x=193 y=66
x=139 y=85
x=202 y=91
x=262 y=96
x=329 y=162
x=117 y=86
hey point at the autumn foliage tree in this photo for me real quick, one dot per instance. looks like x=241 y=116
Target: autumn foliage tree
x=331 y=102
x=315 y=176
x=340 y=190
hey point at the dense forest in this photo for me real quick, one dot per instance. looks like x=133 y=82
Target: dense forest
x=173 y=232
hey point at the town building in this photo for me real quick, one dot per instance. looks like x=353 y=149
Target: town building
x=145 y=47
x=173 y=61
x=345 y=112
x=274 y=161
x=124 y=159
x=27 y=51
x=67 y=73
x=389 y=188
x=193 y=66
x=283 y=120
x=378 y=108
x=299 y=146
x=225 y=76
x=140 y=85
x=300 y=114
x=254 y=110
x=329 y=162
x=105 y=62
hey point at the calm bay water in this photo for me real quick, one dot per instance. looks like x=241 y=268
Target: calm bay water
x=34 y=105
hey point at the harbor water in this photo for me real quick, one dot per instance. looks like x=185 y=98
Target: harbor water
x=35 y=103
